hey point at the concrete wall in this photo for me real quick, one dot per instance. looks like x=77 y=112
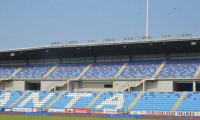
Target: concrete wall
x=138 y=88
x=118 y=84
x=94 y=84
x=64 y=88
x=159 y=86
x=44 y=84
x=14 y=85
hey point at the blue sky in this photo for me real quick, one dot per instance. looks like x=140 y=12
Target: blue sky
x=32 y=23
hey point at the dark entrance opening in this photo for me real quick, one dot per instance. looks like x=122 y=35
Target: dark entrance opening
x=183 y=87
x=32 y=86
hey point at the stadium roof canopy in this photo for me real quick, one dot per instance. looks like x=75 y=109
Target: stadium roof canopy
x=166 y=46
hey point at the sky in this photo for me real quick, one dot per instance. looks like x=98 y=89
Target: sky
x=33 y=23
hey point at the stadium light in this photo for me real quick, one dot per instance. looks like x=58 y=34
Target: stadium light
x=126 y=39
x=56 y=43
x=12 y=54
x=193 y=43
x=73 y=42
x=91 y=41
x=145 y=37
x=106 y=40
x=185 y=35
x=165 y=36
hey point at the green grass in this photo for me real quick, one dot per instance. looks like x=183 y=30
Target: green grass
x=19 y=117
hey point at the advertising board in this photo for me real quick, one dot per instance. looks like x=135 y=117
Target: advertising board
x=78 y=110
x=24 y=110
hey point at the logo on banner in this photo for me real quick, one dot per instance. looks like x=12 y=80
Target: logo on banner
x=56 y=110
x=24 y=110
x=110 y=111
x=77 y=110
x=68 y=110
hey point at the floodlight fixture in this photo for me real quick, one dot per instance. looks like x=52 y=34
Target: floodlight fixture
x=193 y=43
x=129 y=38
x=185 y=35
x=145 y=37
x=72 y=42
x=12 y=54
x=166 y=36
x=91 y=41
x=109 y=40
x=56 y=43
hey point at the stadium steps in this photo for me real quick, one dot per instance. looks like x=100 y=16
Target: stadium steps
x=12 y=104
x=55 y=84
x=197 y=72
x=131 y=84
x=51 y=70
x=95 y=99
x=179 y=101
x=83 y=72
x=10 y=77
x=120 y=70
x=159 y=69
x=52 y=102
x=135 y=101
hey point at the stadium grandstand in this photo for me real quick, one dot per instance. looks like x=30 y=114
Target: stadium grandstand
x=145 y=75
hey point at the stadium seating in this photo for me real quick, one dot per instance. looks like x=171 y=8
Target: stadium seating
x=67 y=70
x=149 y=101
x=190 y=102
x=33 y=71
x=114 y=100
x=140 y=69
x=5 y=72
x=74 y=100
x=157 y=101
x=37 y=99
x=179 y=69
x=8 y=97
x=103 y=70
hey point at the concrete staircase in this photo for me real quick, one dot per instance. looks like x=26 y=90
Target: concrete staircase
x=14 y=73
x=95 y=99
x=120 y=70
x=57 y=84
x=179 y=101
x=19 y=98
x=159 y=69
x=131 y=84
x=135 y=101
x=52 y=102
x=51 y=70
x=196 y=74
x=83 y=72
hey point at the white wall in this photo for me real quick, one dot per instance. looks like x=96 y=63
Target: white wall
x=159 y=86
x=14 y=85
x=44 y=84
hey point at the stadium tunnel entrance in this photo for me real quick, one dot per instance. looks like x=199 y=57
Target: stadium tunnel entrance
x=32 y=85
x=183 y=86
x=197 y=86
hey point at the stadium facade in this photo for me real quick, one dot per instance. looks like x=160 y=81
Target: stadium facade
x=104 y=66
x=124 y=77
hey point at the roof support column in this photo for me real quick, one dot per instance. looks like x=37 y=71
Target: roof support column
x=59 y=57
